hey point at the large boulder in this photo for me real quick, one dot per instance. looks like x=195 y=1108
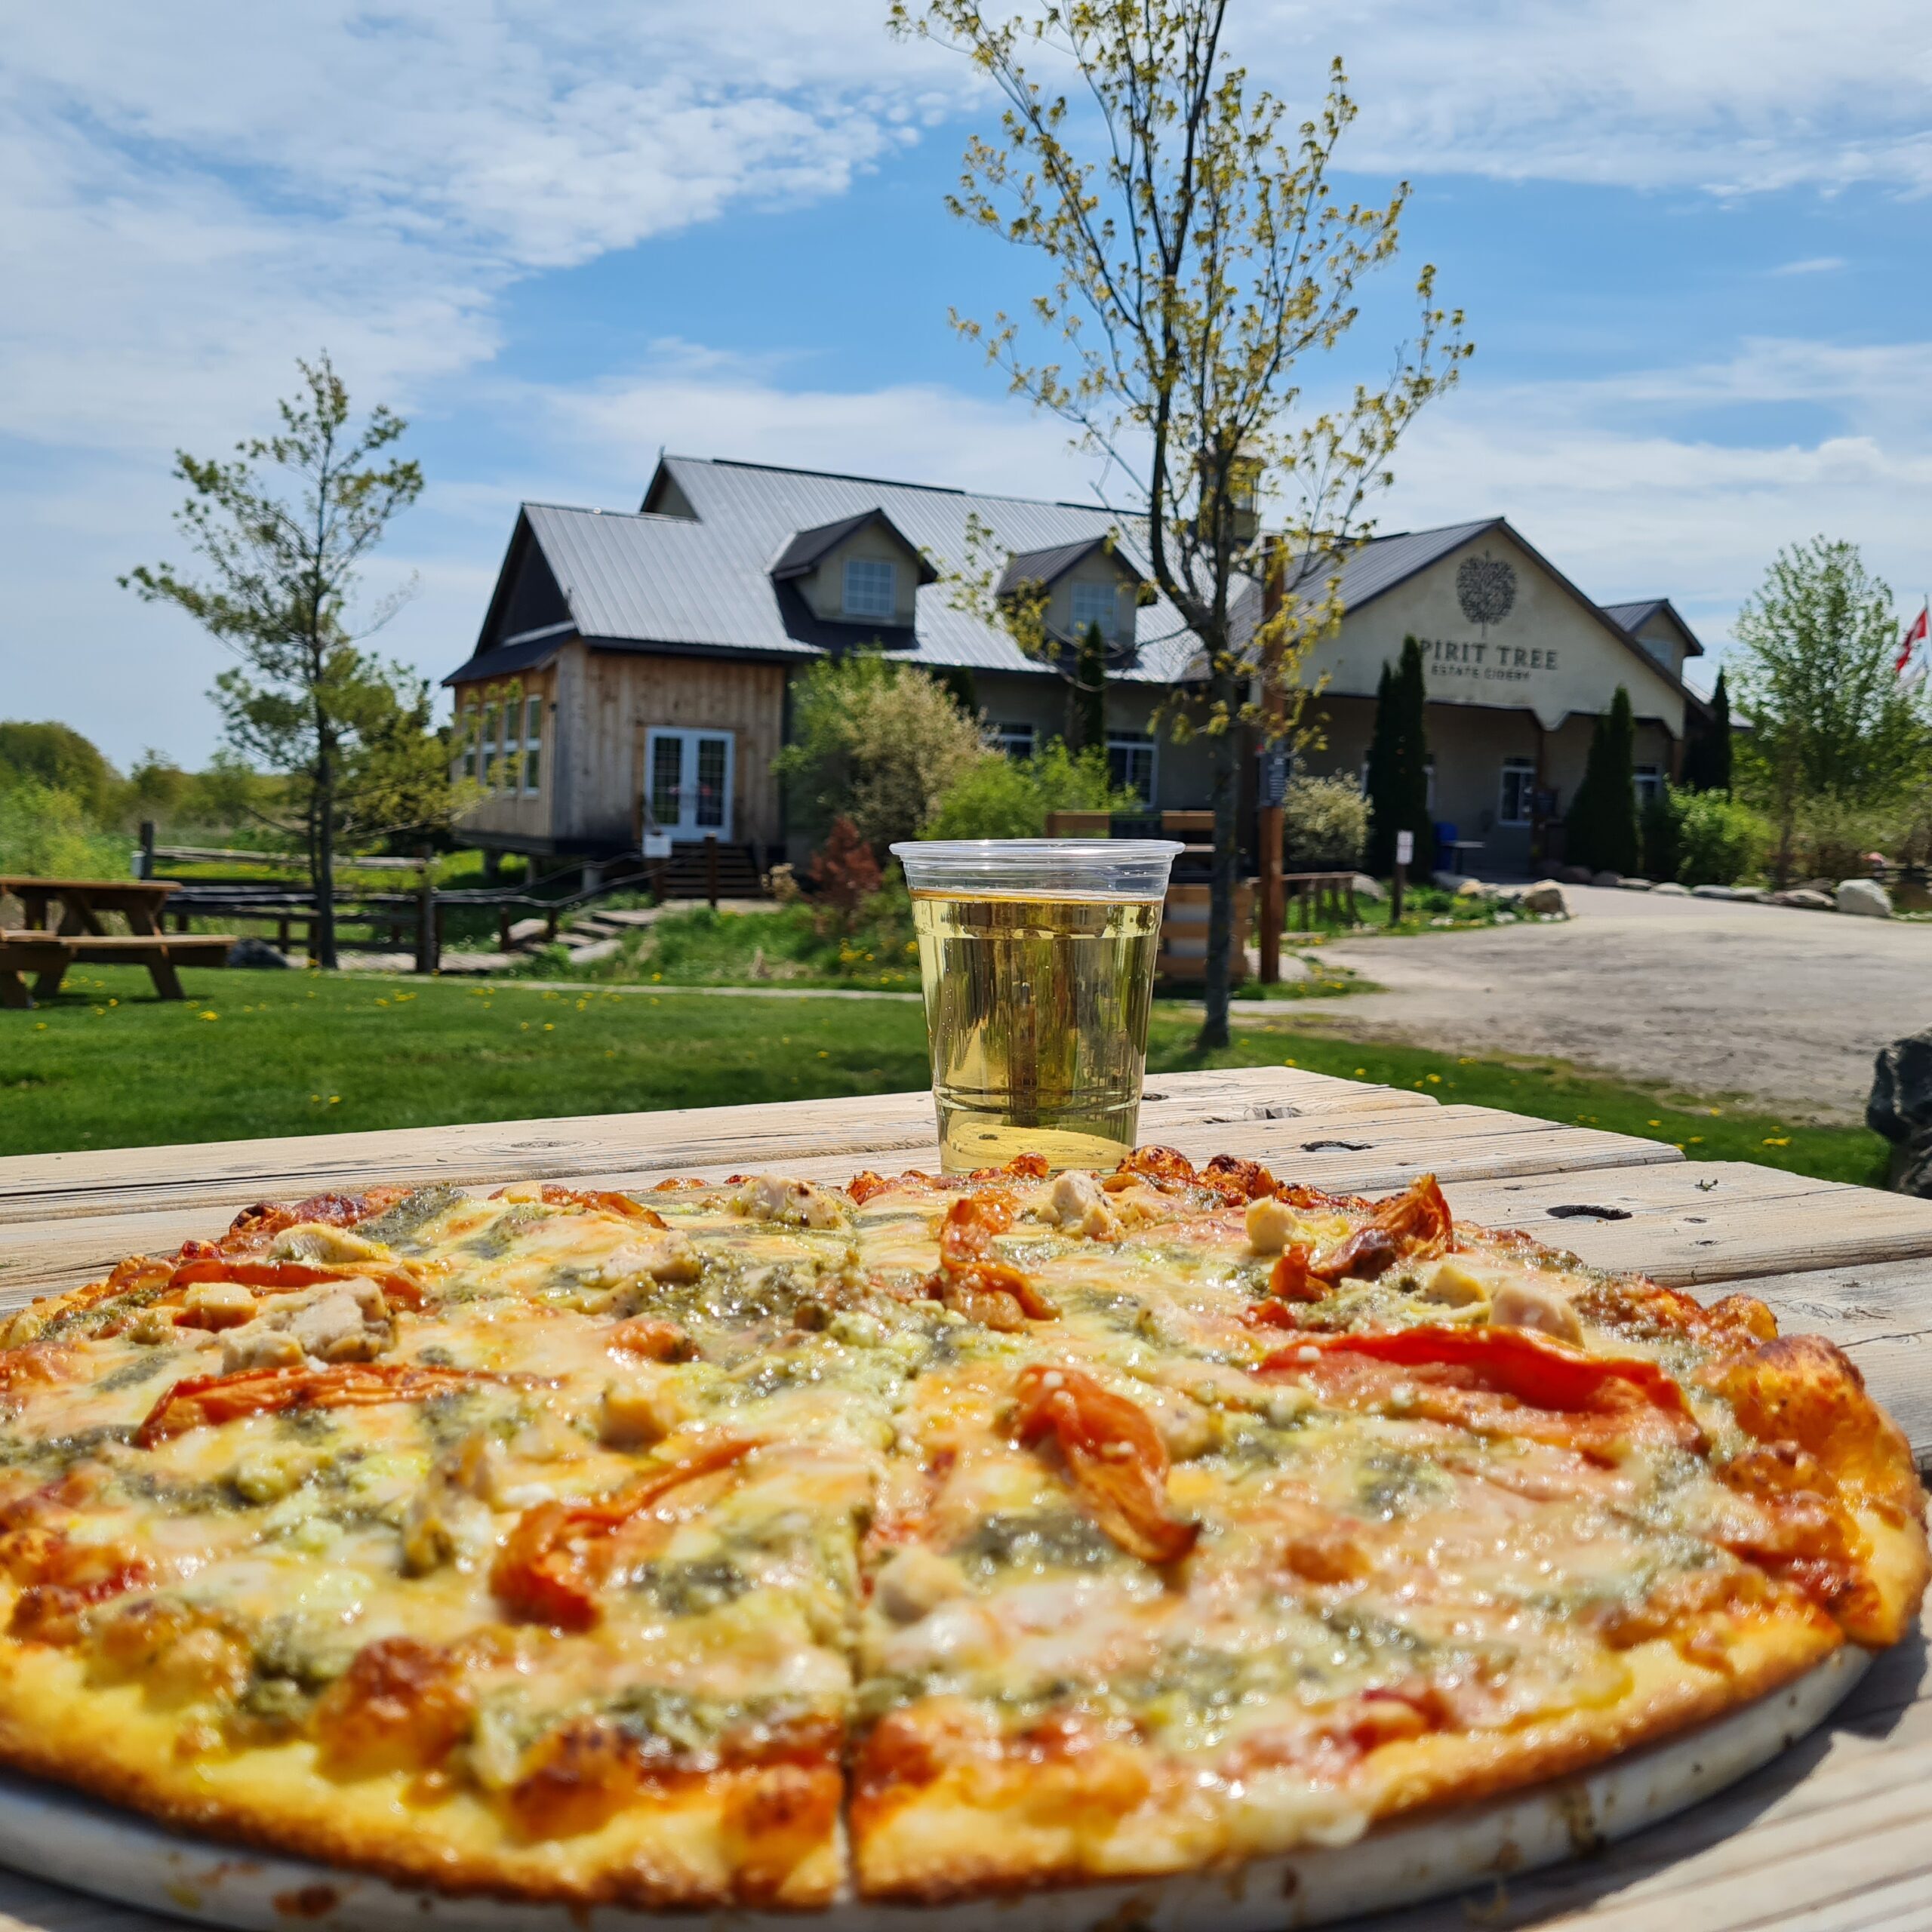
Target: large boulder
x=1670 y=889
x=1573 y=874
x=1472 y=888
x=1638 y=884
x=1750 y=895
x=1606 y=878
x=250 y=950
x=1865 y=898
x=1372 y=890
x=1544 y=897
x=1900 y=1109
x=1804 y=900
x=1710 y=892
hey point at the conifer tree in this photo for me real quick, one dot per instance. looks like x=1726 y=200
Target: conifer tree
x=1707 y=757
x=1605 y=831
x=1087 y=695
x=1398 y=766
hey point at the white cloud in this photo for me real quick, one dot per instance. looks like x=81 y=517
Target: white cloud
x=1812 y=265
x=1729 y=95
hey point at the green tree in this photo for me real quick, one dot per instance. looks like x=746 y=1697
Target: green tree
x=1603 y=830
x=284 y=557
x=876 y=742
x=1398 y=766
x=1087 y=694
x=1198 y=259
x=1707 y=756
x=1829 y=716
x=59 y=758
x=1007 y=797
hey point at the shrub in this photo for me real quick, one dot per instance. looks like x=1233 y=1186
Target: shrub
x=1004 y=798
x=844 y=870
x=1720 y=840
x=1832 y=838
x=48 y=831
x=875 y=742
x=1398 y=765
x=1663 y=843
x=1601 y=830
x=1326 y=820
x=58 y=758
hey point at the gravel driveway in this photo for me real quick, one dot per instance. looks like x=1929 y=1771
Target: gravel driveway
x=1782 y=1007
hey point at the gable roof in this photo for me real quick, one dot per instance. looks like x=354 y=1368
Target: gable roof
x=1634 y=616
x=808 y=548
x=703 y=581
x=1046 y=568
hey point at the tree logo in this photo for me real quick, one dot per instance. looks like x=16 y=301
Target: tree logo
x=1486 y=589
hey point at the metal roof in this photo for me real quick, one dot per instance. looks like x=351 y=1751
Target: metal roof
x=1045 y=568
x=807 y=547
x=708 y=582
x=1634 y=616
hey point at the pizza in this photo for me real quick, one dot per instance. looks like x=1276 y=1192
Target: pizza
x=770 y=1543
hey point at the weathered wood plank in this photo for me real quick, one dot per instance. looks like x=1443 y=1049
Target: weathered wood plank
x=1358 y=1150
x=37 y=1186
x=1705 y=1221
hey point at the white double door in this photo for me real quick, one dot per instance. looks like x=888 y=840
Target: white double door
x=687 y=784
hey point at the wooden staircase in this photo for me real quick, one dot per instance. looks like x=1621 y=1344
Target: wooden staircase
x=688 y=873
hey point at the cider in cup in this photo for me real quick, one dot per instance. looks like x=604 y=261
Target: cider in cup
x=1037 y=958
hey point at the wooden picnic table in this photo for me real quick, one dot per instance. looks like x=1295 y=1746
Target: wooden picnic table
x=82 y=901
x=1836 y=1835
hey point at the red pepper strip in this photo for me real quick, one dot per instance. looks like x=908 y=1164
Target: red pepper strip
x=198 y=1401
x=1416 y=1223
x=1116 y=1456
x=557 y=1557
x=603 y=1201
x=1534 y=1369
x=966 y=1271
x=282 y=1277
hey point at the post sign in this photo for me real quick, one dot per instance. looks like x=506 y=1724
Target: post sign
x=1272 y=789
x=1405 y=848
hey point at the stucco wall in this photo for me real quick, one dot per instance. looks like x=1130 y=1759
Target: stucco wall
x=1548 y=655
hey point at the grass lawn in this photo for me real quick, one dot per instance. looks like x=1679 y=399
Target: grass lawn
x=264 y=1054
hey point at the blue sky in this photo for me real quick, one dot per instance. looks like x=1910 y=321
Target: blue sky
x=1691 y=238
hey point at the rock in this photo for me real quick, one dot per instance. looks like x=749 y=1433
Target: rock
x=252 y=951
x=1545 y=898
x=528 y=932
x=1865 y=898
x=1472 y=888
x=1447 y=881
x=1804 y=899
x=1751 y=895
x=1636 y=885
x=1825 y=885
x=596 y=951
x=1900 y=1109
x=1606 y=878
x=1670 y=889
x=1573 y=874
x=1506 y=919
x=1441 y=921
x=1372 y=890
x=1710 y=892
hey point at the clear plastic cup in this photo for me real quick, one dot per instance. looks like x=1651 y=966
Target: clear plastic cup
x=1037 y=957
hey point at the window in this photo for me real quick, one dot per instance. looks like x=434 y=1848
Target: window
x=667 y=763
x=1649 y=781
x=1094 y=603
x=1130 y=764
x=712 y=753
x=1519 y=785
x=466 y=726
x=1015 y=740
x=486 y=750
x=871 y=587
x=533 y=744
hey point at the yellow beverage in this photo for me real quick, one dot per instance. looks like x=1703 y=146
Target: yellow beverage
x=1037 y=1011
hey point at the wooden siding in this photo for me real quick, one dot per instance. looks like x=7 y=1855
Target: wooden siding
x=519 y=817
x=607 y=700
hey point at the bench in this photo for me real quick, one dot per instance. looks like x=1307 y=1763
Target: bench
x=47 y=956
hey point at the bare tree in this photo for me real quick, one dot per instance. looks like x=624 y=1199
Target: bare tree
x=1198 y=256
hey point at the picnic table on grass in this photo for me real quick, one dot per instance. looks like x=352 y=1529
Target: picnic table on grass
x=47 y=951
x=1835 y=1834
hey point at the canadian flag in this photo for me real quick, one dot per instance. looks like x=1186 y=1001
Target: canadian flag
x=1914 y=637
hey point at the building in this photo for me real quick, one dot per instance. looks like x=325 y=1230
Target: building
x=638 y=666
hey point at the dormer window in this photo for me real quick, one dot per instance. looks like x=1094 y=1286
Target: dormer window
x=1094 y=603
x=871 y=587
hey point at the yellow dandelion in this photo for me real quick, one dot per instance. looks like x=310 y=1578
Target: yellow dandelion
x=1360 y=1072
x=1435 y=1080
x=1777 y=1140
x=1654 y=1123
x=1695 y=1138
x=208 y=1016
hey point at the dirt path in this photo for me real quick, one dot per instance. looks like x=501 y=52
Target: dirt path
x=1782 y=1007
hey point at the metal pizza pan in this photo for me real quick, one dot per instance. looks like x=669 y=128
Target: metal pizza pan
x=57 y=1835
